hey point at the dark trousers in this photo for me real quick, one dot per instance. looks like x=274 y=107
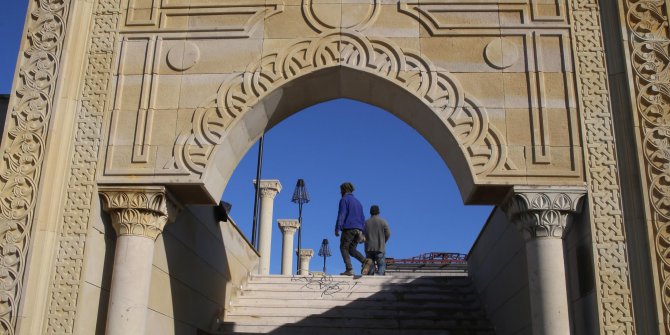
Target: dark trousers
x=348 y=244
x=379 y=260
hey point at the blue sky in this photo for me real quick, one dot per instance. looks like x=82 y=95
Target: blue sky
x=390 y=164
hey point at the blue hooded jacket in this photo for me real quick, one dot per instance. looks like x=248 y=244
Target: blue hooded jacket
x=350 y=214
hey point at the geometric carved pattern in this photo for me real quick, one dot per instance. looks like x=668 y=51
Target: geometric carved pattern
x=650 y=63
x=23 y=148
x=609 y=241
x=81 y=190
x=466 y=120
x=543 y=212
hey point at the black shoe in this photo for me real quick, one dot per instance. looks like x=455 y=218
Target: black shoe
x=347 y=273
x=366 y=267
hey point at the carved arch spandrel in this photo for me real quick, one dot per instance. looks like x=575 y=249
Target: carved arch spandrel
x=483 y=145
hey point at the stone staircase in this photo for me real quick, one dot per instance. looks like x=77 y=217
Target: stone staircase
x=392 y=304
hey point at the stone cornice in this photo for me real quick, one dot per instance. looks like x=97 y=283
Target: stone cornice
x=543 y=212
x=136 y=210
x=288 y=225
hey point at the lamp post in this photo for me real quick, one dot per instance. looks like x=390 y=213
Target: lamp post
x=324 y=252
x=300 y=197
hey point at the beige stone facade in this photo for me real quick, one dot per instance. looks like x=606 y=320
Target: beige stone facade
x=172 y=93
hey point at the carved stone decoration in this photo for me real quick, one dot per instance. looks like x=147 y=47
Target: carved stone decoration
x=183 y=56
x=501 y=53
x=543 y=212
x=649 y=41
x=71 y=239
x=358 y=15
x=613 y=290
x=24 y=147
x=137 y=211
x=465 y=118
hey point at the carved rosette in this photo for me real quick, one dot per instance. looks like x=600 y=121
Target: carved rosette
x=136 y=211
x=543 y=212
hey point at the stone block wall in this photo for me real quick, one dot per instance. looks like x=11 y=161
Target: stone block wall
x=198 y=265
x=497 y=265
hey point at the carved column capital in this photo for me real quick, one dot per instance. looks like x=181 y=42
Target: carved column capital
x=288 y=226
x=136 y=210
x=269 y=188
x=306 y=253
x=543 y=211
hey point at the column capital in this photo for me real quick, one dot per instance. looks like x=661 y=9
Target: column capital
x=306 y=253
x=288 y=225
x=136 y=210
x=543 y=211
x=269 y=187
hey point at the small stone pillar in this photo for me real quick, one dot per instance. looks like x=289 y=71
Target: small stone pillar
x=288 y=228
x=268 y=190
x=138 y=215
x=305 y=256
x=543 y=216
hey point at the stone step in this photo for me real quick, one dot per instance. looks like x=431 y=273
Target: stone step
x=364 y=303
x=378 y=279
x=358 y=287
x=325 y=321
x=358 y=312
x=386 y=305
x=350 y=296
x=307 y=330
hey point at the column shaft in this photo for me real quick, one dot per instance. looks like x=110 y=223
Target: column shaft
x=265 y=235
x=304 y=258
x=543 y=216
x=138 y=215
x=269 y=189
x=547 y=286
x=131 y=279
x=287 y=254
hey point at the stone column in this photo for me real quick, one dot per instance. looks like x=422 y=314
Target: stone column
x=138 y=215
x=269 y=189
x=543 y=215
x=305 y=256
x=288 y=228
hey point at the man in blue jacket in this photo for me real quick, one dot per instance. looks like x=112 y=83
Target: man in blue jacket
x=351 y=222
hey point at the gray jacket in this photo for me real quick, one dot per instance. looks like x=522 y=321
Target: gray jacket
x=377 y=232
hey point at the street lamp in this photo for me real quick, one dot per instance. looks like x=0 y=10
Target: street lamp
x=324 y=252
x=300 y=197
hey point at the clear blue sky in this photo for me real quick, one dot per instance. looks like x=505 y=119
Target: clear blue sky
x=342 y=140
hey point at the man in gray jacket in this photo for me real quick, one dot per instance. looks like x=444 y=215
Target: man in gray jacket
x=377 y=232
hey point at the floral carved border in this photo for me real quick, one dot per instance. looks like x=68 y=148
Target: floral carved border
x=613 y=294
x=24 y=146
x=649 y=54
x=81 y=191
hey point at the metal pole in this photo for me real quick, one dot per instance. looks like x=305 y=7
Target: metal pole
x=259 y=166
x=299 y=233
x=324 y=262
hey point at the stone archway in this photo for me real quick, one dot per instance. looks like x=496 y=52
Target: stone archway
x=344 y=65
x=113 y=94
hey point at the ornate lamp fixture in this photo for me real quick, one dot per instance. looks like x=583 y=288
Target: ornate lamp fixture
x=300 y=197
x=324 y=252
